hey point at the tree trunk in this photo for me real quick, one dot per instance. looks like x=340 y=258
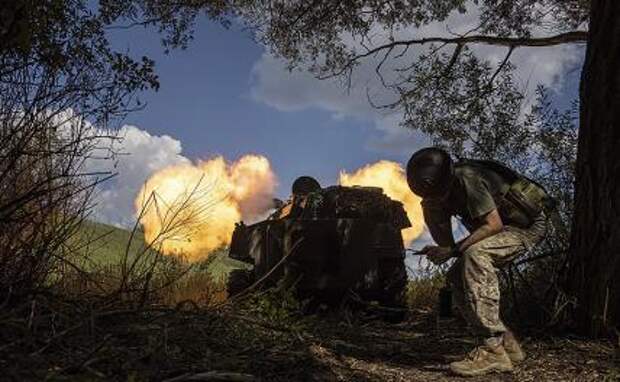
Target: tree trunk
x=594 y=259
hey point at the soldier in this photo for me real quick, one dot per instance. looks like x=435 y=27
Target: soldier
x=504 y=213
x=304 y=185
x=293 y=208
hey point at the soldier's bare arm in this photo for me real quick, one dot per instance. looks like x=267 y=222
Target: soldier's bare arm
x=492 y=224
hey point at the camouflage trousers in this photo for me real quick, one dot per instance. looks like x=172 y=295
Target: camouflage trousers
x=473 y=277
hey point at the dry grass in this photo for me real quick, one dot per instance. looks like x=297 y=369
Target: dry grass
x=185 y=330
x=423 y=291
x=59 y=340
x=198 y=287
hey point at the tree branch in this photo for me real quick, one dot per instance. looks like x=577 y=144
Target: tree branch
x=501 y=66
x=563 y=38
x=455 y=57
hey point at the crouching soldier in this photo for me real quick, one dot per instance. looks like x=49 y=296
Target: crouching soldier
x=505 y=214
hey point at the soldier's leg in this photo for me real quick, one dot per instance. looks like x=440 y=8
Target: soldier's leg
x=481 y=302
x=480 y=282
x=481 y=293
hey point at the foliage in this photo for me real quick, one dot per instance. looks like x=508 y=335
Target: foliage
x=542 y=144
x=465 y=103
x=277 y=306
x=470 y=106
x=333 y=37
x=423 y=292
x=62 y=86
x=471 y=111
x=96 y=244
x=60 y=340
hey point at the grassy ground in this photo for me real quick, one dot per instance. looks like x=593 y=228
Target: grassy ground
x=105 y=244
x=193 y=333
x=247 y=342
x=100 y=250
x=100 y=244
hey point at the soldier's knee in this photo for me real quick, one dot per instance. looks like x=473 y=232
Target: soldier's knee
x=475 y=258
x=480 y=250
x=475 y=249
x=470 y=255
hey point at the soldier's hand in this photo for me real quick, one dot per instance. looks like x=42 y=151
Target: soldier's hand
x=428 y=248
x=437 y=255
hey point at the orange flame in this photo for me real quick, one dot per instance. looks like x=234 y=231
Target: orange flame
x=191 y=209
x=391 y=177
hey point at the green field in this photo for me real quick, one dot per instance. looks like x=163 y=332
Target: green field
x=98 y=244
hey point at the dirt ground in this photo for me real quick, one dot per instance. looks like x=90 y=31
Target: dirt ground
x=419 y=349
x=232 y=345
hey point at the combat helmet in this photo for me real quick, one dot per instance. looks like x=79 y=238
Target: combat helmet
x=305 y=185
x=430 y=172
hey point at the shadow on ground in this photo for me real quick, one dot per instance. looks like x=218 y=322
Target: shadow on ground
x=69 y=342
x=420 y=349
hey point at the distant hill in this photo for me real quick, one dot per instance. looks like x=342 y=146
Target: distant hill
x=101 y=244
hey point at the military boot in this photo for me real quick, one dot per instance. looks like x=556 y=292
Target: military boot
x=488 y=358
x=512 y=347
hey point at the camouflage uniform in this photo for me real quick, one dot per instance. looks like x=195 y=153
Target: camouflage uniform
x=473 y=277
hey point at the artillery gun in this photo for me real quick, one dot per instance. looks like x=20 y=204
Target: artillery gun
x=336 y=242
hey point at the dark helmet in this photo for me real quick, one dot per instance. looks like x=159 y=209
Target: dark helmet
x=305 y=185
x=430 y=172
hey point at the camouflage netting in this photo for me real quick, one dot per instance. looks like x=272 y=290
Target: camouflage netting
x=338 y=202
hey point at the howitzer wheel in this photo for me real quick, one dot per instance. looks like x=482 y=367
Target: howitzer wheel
x=238 y=281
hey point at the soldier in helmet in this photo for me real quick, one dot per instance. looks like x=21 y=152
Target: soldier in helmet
x=301 y=190
x=504 y=213
x=302 y=187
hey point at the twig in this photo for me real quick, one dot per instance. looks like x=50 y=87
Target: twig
x=89 y=359
x=562 y=38
x=214 y=376
x=454 y=58
x=500 y=67
x=260 y=323
x=262 y=279
x=50 y=340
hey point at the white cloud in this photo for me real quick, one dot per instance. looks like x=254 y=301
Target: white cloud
x=275 y=86
x=285 y=91
x=393 y=138
x=141 y=154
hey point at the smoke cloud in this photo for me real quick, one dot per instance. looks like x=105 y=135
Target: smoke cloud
x=192 y=208
x=391 y=177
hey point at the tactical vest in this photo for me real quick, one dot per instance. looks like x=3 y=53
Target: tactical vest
x=524 y=200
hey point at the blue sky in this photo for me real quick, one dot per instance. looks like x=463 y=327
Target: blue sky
x=205 y=101
x=225 y=95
